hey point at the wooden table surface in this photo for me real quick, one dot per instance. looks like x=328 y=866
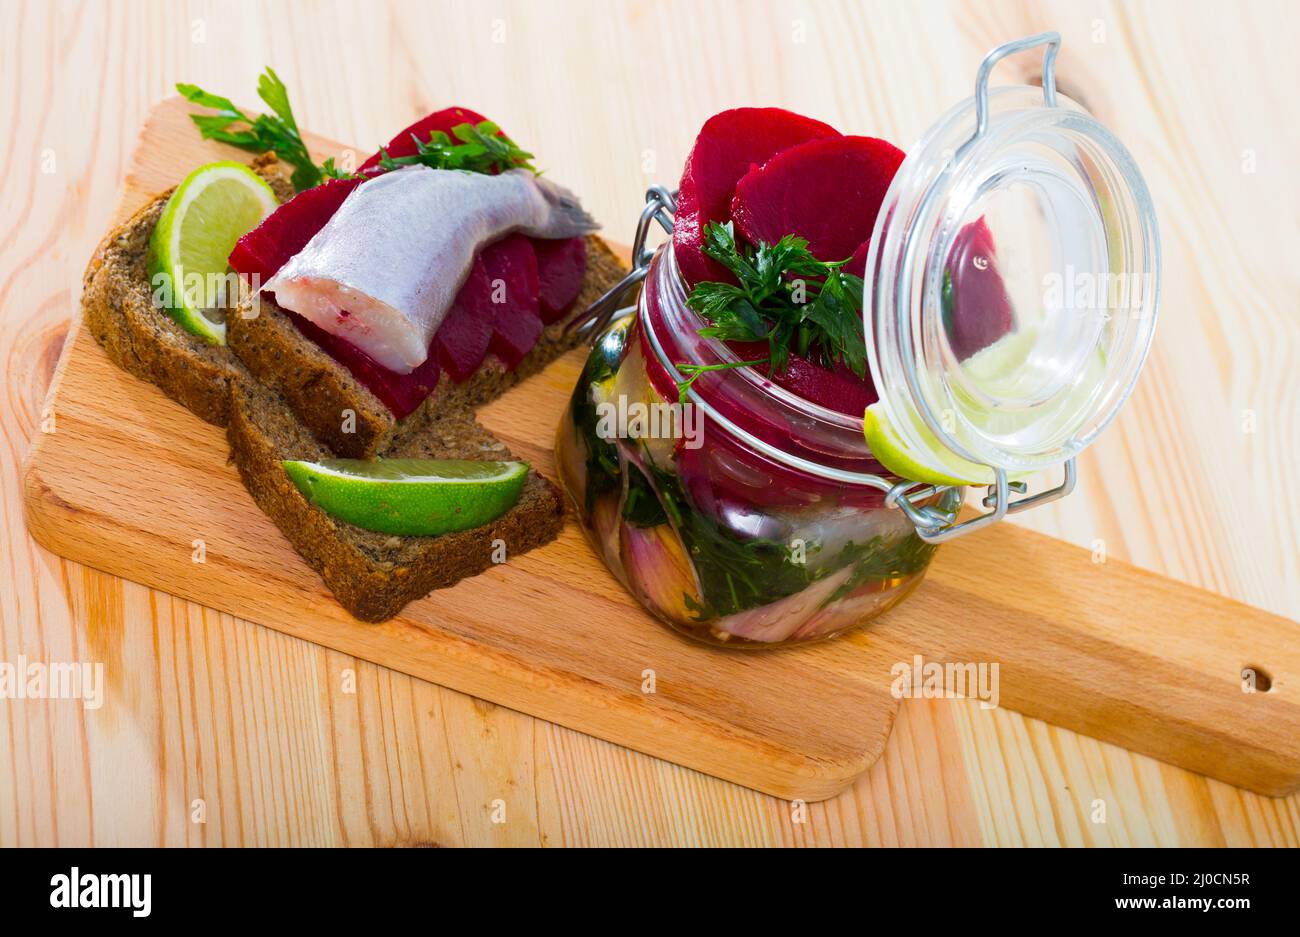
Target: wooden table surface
x=1195 y=480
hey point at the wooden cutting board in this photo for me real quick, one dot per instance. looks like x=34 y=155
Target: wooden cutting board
x=126 y=481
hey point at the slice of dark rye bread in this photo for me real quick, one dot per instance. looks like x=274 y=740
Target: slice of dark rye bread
x=117 y=306
x=374 y=575
x=342 y=412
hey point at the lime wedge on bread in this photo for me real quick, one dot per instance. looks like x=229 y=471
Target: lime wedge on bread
x=411 y=497
x=214 y=207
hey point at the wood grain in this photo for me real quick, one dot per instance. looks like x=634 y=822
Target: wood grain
x=126 y=482
x=1193 y=481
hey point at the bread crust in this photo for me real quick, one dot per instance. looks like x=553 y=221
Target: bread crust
x=374 y=575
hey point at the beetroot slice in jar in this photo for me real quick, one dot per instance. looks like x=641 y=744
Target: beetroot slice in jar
x=835 y=388
x=728 y=145
x=857 y=264
x=757 y=424
x=725 y=476
x=561 y=267
x=511 y=268
x=826 y=191
x=444 y=120
x=976 y=307
x=728 y=480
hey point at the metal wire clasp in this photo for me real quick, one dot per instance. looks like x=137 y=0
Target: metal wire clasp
x=1053 y=42
x=934 y=526
x=660 y=206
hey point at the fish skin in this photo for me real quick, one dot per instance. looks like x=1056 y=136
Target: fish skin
x=384 y=270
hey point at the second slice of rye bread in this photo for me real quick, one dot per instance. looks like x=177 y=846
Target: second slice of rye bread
x=374 y=575
x=343 y=413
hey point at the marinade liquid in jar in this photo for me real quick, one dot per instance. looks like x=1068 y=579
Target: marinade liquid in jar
x=751 y=517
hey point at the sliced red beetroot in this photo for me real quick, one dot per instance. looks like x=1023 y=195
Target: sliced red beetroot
x=463 y=338
x=733 y=483
x=976 y=307
x=561 y=266
x=286 y=231
x=444 y=120
x=515 y=316
x=826 y=191
x=728 y=145
x=836 y=388
x=512 y=340
x=857 y=264
x=748 y=478
x=400 y=393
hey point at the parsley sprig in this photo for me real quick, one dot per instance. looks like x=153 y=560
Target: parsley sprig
x=472 y=147
x=693 y=371
x=276 y=132
x=784 y=296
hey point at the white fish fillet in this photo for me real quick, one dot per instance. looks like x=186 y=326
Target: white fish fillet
x=384 y=270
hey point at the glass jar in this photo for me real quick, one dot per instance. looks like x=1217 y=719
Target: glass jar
x=719 y=514
x=1010 y=296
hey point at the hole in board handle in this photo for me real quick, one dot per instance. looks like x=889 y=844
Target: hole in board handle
x=1255 y=679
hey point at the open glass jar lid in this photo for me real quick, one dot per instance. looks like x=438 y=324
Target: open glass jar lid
x=1011 y=287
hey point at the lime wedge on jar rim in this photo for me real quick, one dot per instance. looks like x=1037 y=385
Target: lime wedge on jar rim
x=997 y=370
x=210 y=210
x=1001 y=358
x=894 y=454
x=411 y=497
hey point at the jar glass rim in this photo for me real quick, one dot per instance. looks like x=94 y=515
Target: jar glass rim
x=720 y=350
x=759 y=383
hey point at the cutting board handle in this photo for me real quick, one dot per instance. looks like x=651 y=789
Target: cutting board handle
x=1120 y=654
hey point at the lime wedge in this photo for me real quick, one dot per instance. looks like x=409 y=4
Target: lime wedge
x=214 y=207
x=999 y=367
x=895 y=455
x=1000 y=362
x=411 y=497
x=1000 y=371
